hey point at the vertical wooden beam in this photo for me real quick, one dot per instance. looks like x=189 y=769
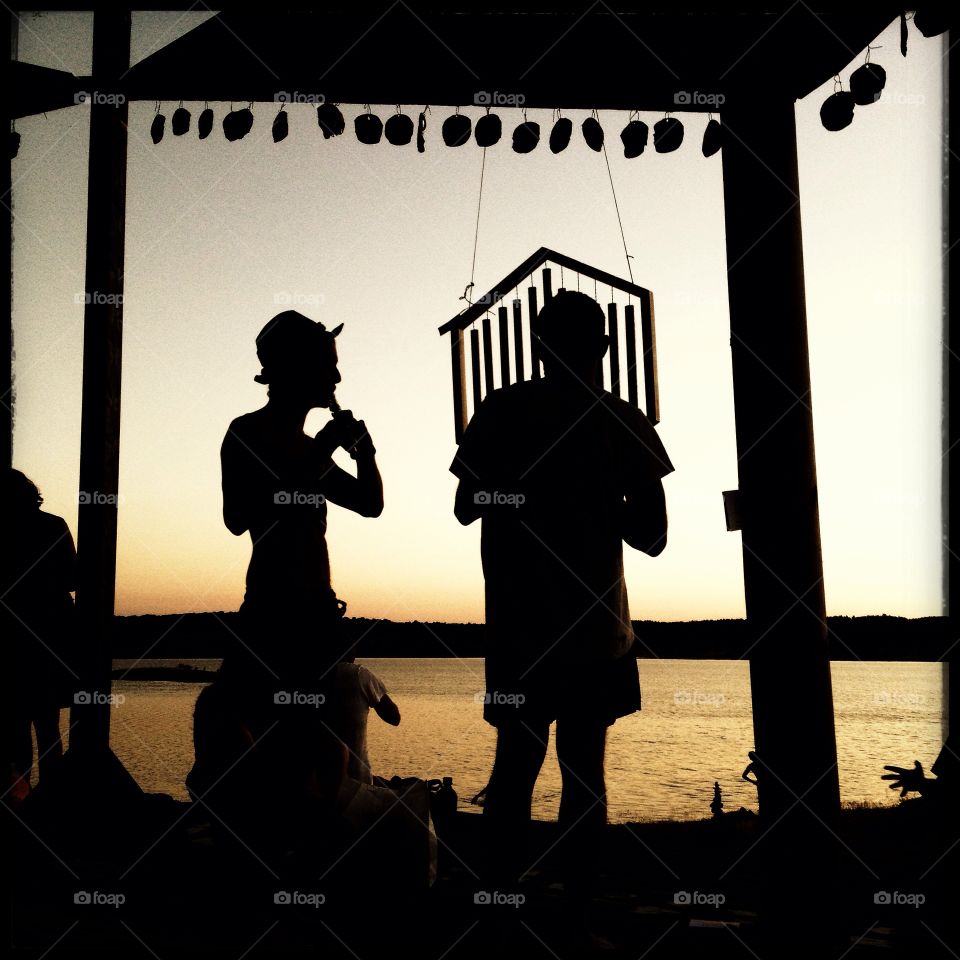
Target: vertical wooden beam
x=531 y=319
x=504 y=337
x=790 y=679
x=6 y=184
x=102 y=352
x=630 y=331
x=475 y=369
x=518 y=339
x=547 y=286
x=614 y=334
x=648 y=335
x=459 y=383
x=488 y=384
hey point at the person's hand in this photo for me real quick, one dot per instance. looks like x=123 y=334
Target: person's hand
x=904 y=779
x=344 y=430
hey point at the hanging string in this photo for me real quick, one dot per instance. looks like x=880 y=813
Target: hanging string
x=476 y=232
x=616 y=207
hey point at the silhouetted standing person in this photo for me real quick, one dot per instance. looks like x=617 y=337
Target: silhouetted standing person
x=39 y=573
x=561 y=472
x=276 y=485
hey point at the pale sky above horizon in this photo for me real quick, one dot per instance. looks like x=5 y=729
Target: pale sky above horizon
x=220 y=235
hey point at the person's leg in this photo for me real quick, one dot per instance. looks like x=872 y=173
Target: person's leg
x=583 y=800
x=520 y=752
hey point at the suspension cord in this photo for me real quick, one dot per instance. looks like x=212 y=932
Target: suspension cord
x=616 y=207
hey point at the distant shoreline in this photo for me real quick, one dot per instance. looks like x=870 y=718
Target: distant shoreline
x=197 y=636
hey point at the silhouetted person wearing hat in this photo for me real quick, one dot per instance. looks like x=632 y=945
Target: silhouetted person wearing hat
x=36 y=613
x=561 y=473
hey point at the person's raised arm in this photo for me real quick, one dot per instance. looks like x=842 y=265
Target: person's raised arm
x=236 y=510
x=363 y=493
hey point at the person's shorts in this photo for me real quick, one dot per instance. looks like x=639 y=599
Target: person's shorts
x=598 y=691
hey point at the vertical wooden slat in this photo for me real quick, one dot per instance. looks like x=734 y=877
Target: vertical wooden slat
x=475 y=368
x=518 y=338
x=630 y=329
x=504 y=334
x=613 y=333
x=488 y=384
x=547 y=285
x=531 y=320
x=649 y=337
x=459 y=383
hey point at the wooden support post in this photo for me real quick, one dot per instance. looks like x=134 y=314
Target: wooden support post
x=630 y=331
x=782 y=566
x=547 y=286
x=614 y=334
x=531 y=320
x=459 y=383
x=504 y=337
x=102 y=351
x=488 y=384
x=518 y=339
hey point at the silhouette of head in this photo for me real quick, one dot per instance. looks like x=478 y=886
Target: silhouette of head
x=571 y=330
x=299 y=358
x=21 y=495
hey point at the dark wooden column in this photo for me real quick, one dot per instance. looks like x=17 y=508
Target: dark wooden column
x=782 y=565
x=102 y=349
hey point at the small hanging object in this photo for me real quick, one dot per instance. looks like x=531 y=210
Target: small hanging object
x=667 y=135
x=368 y=127
x=488 y=130
x=330 y=120
x=456 y=129
x=14 y=143
x=866 y=83
x=421 y=128
x=526 y=135
x=560 y=134
x=237 y=124
x=280 y=126
x=205 y=123
x=593 y=132
x=903 y=33
x=180 y=123
x=712 y=138
x=398 y=129
x=836 y=112
x=634 y=138
x=932 y=21
x=156 y=128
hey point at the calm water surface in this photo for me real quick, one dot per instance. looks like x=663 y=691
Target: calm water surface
x=695 y=727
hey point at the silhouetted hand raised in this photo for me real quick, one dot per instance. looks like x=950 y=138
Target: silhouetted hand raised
x=904 y=779
x=344 y=430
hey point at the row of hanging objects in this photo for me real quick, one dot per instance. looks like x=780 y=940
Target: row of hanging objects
x=457 y=128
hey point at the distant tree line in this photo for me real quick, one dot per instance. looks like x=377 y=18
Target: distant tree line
x=208 y=635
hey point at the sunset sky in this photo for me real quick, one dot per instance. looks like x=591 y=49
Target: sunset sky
x=221 y=236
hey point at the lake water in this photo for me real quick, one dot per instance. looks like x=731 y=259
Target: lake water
x=695 y=727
